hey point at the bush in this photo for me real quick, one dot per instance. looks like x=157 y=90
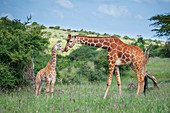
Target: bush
x=126 y=37
x=51 y=27
x=116 y=36
x=17 y=44
x=57 y=27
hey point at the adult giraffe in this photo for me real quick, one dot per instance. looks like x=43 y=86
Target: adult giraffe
x=118 y=54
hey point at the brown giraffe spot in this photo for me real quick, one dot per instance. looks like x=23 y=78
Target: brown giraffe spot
x=81 y=38
x=95 y=40
x=92 y=44
x=116 y=72
x=113 y=45
x=124 y=49
x=108 y=57
x=86 y=39
x=90 y=40
x=98 y=45
x=119 y=54
x=123 y=61
x=117 y=79
x=113 y=61
x=135 y=64
x=123 y=57
x=119 y=48
x=81 y=41
x=88 y=43
x=126 y=54
x=113 y=52
x=116 y=40
x=85 y=43
x=115 y=56
x=101 y=40
x=127 y=60
x=111 y=40
x=106 y=40
x=130 y=50
x=111 y=58
x=105 y=47
x=127 y=51
x=106 y=43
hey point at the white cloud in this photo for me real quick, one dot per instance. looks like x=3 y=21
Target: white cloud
x=138 y=16
x=58 y=13
x=8 y=15
x=65 y=3
x=112 y=10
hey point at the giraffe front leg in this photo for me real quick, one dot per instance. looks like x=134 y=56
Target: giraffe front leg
x=111 y=69
x=118 y=79
x=52 y=87
x=48 y=87
x=37 y=84
x=37 y=88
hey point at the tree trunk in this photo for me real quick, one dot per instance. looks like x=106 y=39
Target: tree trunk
x=153 y=79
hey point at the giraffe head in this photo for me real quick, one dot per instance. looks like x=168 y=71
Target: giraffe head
x=57 y=46
x=71 y=41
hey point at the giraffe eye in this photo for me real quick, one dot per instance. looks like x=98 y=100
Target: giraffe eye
x=71 y=41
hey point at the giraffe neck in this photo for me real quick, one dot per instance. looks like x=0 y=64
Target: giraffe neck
x=104 y=43
x=52 y=61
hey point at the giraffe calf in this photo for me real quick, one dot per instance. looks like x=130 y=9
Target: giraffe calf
x=47 y=75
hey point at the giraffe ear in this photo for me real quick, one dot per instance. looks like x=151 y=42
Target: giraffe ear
x=59 y=44
x=74 y=37
x=69 y=35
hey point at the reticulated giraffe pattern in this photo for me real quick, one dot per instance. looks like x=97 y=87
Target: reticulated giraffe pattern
x=118 y=54
x=47 y=75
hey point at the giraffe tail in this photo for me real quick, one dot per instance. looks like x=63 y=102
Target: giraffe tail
x=146 y=62
x=147 y=54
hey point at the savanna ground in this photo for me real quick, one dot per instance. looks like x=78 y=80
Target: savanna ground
x=89 y=97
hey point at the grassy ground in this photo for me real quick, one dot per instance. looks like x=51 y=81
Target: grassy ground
x=89 y=97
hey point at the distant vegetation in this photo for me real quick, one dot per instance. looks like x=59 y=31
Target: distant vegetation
x=20 y=43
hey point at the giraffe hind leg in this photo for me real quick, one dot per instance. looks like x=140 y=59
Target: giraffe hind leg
x=118 y=79
x=40 y=87
x=140 y=77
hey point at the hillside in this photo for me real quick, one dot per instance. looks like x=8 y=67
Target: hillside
x=62 y=34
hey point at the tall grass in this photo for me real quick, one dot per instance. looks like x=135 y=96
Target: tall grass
x=89 y=97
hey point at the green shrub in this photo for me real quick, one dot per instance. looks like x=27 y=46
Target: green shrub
x=57 y=27
x=126 y=37
x=51 y=27
x=17 y=44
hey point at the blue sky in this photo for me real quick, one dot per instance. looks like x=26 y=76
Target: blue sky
x=122 y=17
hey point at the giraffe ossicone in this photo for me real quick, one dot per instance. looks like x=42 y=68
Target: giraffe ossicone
x=48 y=74
x=118 y=54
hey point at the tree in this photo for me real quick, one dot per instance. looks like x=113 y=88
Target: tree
x=162 y=24
x=126 y=37
x=18 y=43
x=34 y=23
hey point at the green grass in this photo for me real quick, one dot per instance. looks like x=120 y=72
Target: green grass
x=89 y=97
